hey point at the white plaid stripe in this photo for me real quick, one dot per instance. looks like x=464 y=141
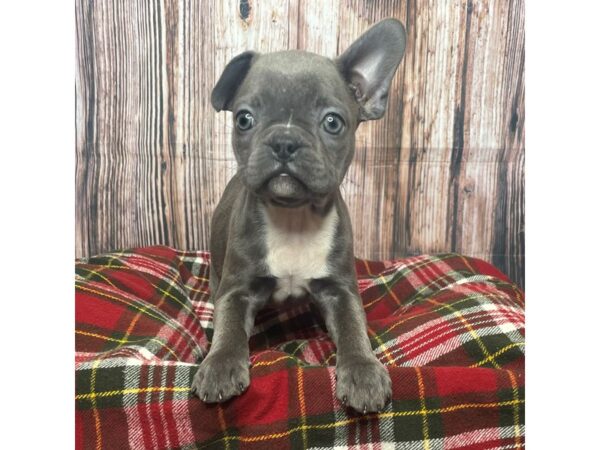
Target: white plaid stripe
x=130 y=406
x=478 y=436
x=448 y=443
x=430 y=331
x=452 y=344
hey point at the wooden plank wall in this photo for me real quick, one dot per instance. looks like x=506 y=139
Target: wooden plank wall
x=443 y=171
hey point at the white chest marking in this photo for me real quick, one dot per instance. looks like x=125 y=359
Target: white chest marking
x=298 y=243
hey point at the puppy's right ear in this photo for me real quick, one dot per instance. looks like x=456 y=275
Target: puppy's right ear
x=370 y=64
x=231 y=79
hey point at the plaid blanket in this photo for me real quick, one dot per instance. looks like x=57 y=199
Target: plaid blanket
x=449 y=328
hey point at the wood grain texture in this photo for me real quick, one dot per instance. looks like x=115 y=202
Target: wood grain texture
x=442 y=171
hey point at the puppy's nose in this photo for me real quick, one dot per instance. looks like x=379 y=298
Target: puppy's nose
x=284 y=148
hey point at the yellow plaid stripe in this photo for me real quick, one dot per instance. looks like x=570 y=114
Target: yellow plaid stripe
x=223 y=425
x=382 y=347
x=341 y=423
x=423 y=408
x=433 y=311
x=171 y=279
x=120 y=392
x=139 y=315
x=184 y=305
x=515 y=389
x=470 y=329
x=408 y=269
x=97 y=273
x=196 y=290
x=368 y=268
x=274 y=361
x=121 y=300
x=143 y=310
x=450 y=306
x=97 y=424
x=498 y=353
x=302 y=406
x=128 y=341
x=389 y=290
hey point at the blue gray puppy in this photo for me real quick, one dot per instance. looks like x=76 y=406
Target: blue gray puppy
x=281 y=230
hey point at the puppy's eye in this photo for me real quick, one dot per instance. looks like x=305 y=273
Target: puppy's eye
x=244 y=120
x=333 y=123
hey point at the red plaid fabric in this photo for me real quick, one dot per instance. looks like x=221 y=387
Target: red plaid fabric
x=449 y=328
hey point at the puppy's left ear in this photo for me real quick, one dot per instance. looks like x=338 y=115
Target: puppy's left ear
x=370 y=63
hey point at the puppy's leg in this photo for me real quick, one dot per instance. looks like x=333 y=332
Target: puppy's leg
x=224 y=372
x=363 y=383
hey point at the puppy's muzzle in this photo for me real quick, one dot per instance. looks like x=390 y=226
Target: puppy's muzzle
x=286 y=142
x=284 y=149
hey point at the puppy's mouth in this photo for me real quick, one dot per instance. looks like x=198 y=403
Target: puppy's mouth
x=284 y=189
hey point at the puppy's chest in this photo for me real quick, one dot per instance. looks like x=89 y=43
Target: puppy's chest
x=298 y=244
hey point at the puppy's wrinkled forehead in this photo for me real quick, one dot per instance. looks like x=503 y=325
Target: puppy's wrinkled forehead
x=293 y=80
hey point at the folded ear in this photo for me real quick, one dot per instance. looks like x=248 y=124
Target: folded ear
x=370 y=64
x=231 y=79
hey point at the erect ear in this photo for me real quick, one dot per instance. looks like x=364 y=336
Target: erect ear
x=370 y=64
x=231 y=79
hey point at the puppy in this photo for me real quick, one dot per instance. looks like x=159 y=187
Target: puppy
x=281 y=230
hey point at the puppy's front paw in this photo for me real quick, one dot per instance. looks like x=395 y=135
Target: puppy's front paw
x=221 y=377
x=364 y=385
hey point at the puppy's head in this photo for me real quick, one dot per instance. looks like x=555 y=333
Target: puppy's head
x=296 y=112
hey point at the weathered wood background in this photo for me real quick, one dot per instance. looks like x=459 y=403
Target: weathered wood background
x=443 y=171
